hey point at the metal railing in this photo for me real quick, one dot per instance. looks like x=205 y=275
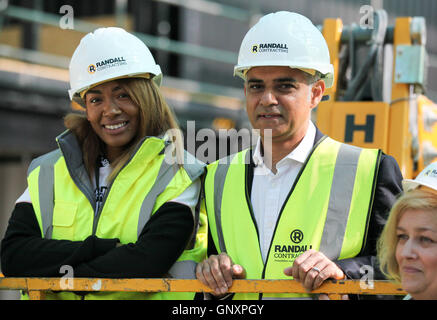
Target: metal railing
x=333 y=288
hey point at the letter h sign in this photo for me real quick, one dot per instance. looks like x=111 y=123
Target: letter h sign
x=360 y=123
x=368 y=128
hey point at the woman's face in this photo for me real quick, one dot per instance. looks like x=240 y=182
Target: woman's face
x=416 y=253
x=113 y=116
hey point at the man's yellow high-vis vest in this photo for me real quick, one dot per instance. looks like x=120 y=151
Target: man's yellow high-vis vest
x=327 y=209
x=64 y=202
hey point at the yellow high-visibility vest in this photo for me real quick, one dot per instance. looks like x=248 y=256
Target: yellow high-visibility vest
x=327 y=209
x=64 y=202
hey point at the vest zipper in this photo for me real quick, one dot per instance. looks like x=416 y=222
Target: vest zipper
x=98 y=213
x=284 y=204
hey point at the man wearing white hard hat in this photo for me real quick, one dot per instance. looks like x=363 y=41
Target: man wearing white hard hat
x=303 y=206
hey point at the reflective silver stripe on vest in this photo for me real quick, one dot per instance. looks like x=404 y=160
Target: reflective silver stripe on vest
x=46 y=189
x=340 y=200
x=219 y=183
x=166 y=173
x=46 y=199
x=183 y=270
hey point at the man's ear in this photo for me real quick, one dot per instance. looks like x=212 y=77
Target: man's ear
x=317 y=91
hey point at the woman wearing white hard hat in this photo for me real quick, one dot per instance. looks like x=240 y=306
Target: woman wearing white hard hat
x=407 y=249
x=118 y=198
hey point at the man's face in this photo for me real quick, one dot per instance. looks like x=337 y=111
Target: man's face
x=279 y=98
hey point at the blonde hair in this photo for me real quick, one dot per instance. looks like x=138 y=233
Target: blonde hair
x=156 y=119
x=417 y=199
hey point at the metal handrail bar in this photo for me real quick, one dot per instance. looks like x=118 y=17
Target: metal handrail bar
x=334 y=288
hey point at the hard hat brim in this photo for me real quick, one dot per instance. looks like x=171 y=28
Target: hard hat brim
x=328 y=73
x=78 y=97
x=410 y=184
x=157 y=77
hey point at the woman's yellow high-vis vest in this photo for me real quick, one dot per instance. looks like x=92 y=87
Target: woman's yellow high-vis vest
x=63 y=201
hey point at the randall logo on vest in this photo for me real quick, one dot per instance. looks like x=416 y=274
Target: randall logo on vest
x=286 y=252
x=296 y=236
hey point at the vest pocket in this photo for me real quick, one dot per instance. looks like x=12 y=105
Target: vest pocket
x=64 y=214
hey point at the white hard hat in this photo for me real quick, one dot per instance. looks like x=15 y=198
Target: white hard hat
x=109 y=54
x=285 y=39
x=427 y=177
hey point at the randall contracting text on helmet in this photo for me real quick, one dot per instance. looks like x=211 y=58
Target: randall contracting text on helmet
x=108 y=63
x=270 y=47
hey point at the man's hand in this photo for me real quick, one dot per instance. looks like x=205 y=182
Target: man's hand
x=311 y=268
x=217 y=273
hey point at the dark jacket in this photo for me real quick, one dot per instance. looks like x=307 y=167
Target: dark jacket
x=24 y=253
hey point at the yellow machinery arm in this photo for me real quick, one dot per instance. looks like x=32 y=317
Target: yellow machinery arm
x=404 y=124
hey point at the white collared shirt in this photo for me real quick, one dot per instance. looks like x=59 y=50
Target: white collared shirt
x=269 y=190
